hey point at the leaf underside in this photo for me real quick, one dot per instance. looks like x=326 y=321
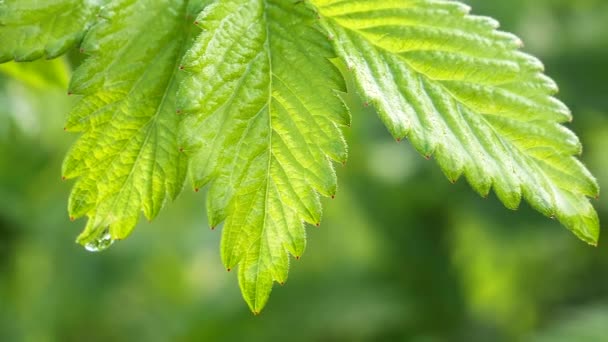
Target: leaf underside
x=262 y=126
x=32 y=29
x=460 y=91
x=255 y=112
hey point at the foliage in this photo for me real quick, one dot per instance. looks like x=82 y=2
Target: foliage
x=258 y=114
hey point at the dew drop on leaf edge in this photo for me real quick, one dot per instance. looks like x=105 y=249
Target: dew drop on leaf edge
x=101 y=243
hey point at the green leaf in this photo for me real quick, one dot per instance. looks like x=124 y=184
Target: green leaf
x=262 y=115
x=32 y=29
x=128 y=158
x=461 y=91
x=262 y=124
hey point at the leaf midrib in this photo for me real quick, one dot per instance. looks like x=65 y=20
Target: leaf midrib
x=267 y=45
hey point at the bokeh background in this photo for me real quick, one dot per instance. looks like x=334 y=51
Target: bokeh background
x=402 y=255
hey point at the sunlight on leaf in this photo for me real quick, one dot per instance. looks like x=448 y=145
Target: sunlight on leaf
x=461 y=92
x=263 y=123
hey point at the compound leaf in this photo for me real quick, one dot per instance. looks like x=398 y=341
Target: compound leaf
x=461 y=91
x=128 y=158
x=262 y=117
x=263 y=122
x=32 y=29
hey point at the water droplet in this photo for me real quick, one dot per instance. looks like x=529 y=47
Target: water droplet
x=102 y=242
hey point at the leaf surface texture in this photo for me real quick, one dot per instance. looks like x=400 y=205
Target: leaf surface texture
x=462 y=92
x=32 y=29
x=262 y=127
x=127 y=159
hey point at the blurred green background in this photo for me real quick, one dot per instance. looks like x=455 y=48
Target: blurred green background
x=402 y=255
